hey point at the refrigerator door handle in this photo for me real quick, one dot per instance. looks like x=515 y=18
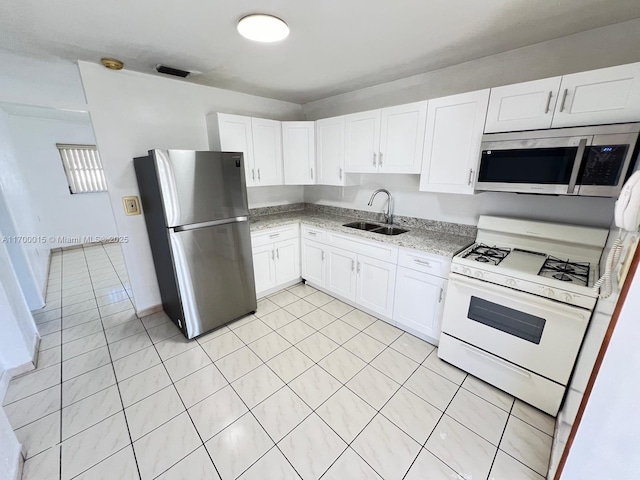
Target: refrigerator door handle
x=193 y=226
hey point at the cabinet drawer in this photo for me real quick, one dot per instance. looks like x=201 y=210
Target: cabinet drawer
x=523 y=384
x=379 y=250
x=314 y=233
x=424 y=262
x=271 y=235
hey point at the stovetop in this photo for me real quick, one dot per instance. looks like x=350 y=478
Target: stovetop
x=566 y=271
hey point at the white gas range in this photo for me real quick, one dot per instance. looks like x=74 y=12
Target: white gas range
x=518 y=305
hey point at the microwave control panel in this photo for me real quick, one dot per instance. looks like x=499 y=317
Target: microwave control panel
x=602 y=164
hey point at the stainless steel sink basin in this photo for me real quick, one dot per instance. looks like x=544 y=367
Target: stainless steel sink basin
x=362 y=226
x=389 y=230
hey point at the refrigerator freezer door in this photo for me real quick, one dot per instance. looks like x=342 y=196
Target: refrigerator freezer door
x=198 y=187
x=214 y=270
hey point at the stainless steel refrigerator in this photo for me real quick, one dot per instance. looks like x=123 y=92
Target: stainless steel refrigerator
x=195 y=207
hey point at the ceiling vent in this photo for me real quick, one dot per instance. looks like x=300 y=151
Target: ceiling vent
x=176 y=72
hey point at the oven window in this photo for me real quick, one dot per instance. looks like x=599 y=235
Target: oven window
x=516 y=323
x=547 y=166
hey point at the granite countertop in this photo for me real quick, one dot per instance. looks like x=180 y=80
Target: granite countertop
x=439 y=243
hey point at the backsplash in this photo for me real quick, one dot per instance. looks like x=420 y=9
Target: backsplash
x=409 y=222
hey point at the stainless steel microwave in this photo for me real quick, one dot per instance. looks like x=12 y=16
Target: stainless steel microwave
x=590 y=161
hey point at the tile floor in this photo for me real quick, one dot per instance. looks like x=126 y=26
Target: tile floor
x=307 y=388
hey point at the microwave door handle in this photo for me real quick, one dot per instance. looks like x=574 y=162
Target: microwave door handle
x=577 y=164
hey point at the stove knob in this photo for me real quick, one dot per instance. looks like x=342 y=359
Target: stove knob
x=511 y=282
x=548 y=292
x=478 y=274
x=567 y=297
x=466 y=271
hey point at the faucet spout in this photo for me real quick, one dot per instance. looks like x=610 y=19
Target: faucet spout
x=389 y=214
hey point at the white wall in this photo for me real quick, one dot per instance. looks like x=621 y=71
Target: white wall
x=606 y=444
x=598 y=48
x=61 y=213
x=132 y=113
x=9 y=450
x=462 y=208
x=18 y=217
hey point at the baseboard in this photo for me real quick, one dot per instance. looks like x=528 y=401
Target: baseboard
x=278 y=288
x=149 y=311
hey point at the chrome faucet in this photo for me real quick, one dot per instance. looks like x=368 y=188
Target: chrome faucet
x=388 y=217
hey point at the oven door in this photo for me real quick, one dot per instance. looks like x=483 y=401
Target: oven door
x=540 y=165
x=532 y=332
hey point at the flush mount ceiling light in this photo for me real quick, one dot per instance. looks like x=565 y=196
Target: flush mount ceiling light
x=263 y=28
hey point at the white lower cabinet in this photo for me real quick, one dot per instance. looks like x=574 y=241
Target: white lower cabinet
x=313 y=258
x=375 y=285
x=276 y=258
x=419 y=300
x=341 y=272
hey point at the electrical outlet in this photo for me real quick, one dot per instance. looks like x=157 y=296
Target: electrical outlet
x=131 y=205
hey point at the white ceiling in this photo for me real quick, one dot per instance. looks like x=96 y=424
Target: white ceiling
x=335 y=46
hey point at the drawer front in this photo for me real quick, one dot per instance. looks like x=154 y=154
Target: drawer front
x=424 y=262
x=379 y=250
x=314 y=233
x=523 y=384
x=272 y=235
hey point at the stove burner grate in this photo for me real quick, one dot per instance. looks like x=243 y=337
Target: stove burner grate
x=566 y=271
x=485 y=254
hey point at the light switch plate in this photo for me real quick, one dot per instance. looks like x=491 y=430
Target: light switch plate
x=131 y=205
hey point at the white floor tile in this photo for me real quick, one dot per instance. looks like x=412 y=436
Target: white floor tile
x=534 y=417
x=346 y=413
x=339 y=331
x=151 y=412
x=89 y=411
x=238 y=363
x=33 y=407
x=85 y=363
x=120 y=465
x=83 y=345
x=265 y=306
x=444 y=369
x=196 y=466
x=364 y=346
x=277 y=318
x=118 y=319
x=296 y=331
x=167 y=445
x=317 y=346
x=238 y=446
x=373 y=387
x=394 y=365
x=49 y=357
x=281 y=413
x=318 y=319
x=216 y=412
x=433 y=388
x=87 y=384
x=46 y=465
x=428 y=466
x=269 y=346
x=383 y=332
x=199 y=385
x=272 y=465
x=257 y=385
x=337 y=308
x=124 y=330
x=342 y=364
x=187 y=363
x=129 y=345
x=351 y=465
x=468 y=454
x=164 y=331
x=252 y=331
x=386 y=448
x=490 y=393
x=299 y=308
x=222 y=345
x=508 y=468
x=140 y=386
x=79 y=318
x=318 y=299
x=478 y=415
x=358 y=319
x=412 y=414
x=413 y=347
x=32 y=382
x=135 y=363
x=283 y=298
x=94 y=445
x=302 y=290
x=81 y=331
x=314 y=386
x=39 y=435
x=289 y=364
x=527 y=444
x=312 y=447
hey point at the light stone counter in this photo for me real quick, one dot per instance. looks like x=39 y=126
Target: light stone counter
x=439 y=243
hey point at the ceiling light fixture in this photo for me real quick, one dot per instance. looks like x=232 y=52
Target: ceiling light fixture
x=112 y=63
x=263 y=28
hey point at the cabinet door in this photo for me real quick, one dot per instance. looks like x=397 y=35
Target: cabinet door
x=523 y=106
x=313 y=262
x=402 y=138
x=341 y=272
x=452 y=142
x=298 y=153
x=419 y=299
x=287 y=260
x=264 y=268
x=330 y=151
x=267 y=151
x=362 y=142
x=376 y=285
x=236 y=136
x=608 y=95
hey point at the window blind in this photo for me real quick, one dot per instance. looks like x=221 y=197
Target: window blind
x=83 y=168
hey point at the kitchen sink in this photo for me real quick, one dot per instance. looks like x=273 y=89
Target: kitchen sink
x=362 y=226
x=374 y=228
x=389 y=230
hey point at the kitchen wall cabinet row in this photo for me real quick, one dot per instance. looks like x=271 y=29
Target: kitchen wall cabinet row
x=401 y=286
x=438 y=139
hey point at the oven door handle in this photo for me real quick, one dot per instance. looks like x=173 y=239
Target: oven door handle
x=577 y=164
x=549 y=305
x=496 y=361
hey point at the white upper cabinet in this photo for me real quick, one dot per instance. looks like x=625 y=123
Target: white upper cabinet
x=608 y=95
x=362 y=142
x=298 y=151
x=267 y=151
x=402 y=138
x=452 y=142
x=523 y=106
x=232 y=133
x=330 y=149
x=389 y=140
